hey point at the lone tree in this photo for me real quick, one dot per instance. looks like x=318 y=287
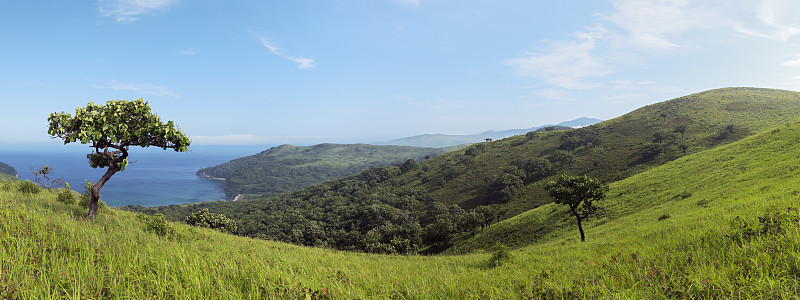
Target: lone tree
x=579 y=193
x=111 y=130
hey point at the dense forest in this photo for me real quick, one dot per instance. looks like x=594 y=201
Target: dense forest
x=425 y=206
x=286 y=168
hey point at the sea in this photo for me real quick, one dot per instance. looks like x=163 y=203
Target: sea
x=154 y=177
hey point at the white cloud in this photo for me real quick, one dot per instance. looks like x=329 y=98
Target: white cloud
x=650 y=24
x=774 y=14
x=304 y=63
x=566 y=64
x=127 y=11
x=266 y=43
x=187 y=52
x=144 y=88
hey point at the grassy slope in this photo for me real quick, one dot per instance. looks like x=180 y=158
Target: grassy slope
x=6 y=177
x=286 y=168
x=706 y=115
x=48 y=250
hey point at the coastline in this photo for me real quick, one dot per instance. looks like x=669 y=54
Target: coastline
x=206 y=176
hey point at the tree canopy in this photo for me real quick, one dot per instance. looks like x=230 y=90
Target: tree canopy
x=111 y=129
x=579 y=193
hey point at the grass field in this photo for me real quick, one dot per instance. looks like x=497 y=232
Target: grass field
x=689 y=228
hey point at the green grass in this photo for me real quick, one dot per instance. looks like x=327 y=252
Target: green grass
x=49 y=250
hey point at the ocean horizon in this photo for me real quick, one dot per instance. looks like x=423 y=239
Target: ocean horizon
x=154 y=177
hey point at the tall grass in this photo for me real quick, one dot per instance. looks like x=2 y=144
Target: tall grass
x=713 y=245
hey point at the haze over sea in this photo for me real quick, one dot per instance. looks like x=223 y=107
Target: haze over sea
x=155 y=177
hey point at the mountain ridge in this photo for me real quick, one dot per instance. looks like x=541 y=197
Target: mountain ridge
x=445 y=140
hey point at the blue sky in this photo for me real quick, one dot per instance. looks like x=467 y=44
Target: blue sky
x=304 y=72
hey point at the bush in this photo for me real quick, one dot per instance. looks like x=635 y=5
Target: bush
x=204 y=218
x=500 y=256
x=66 y=197
x=28 y=187
x=158 y=225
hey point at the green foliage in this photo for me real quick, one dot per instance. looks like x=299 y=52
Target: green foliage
x=501 y=256
x=28 y=187
x=286 y=168
x=158 y=225
x=507 y=186
x=204 y=218
x=67 y=197
x=579 y=193
x=118 y=123
x=535 y=168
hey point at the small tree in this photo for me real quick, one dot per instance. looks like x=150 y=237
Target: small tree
x=42 y=177
x=680 y=129
x=579 y=193
x=112 y=129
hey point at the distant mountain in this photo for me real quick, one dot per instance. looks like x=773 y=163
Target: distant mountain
x=286 y=168
x=6 y=169
x=446 y=140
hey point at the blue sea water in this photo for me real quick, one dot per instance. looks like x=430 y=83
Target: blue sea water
x=155 y=177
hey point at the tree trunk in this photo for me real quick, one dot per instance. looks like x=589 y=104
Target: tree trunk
x=580 y=228
x=93 y=203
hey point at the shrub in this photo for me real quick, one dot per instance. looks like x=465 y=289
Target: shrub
x=500 y=256
x=66 y=197
x=663 y=217
x=28 y=187
x=158 y=225
x=204 y=218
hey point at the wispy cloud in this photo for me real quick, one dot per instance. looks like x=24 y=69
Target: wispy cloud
x=144 y=88
x=189 y=51
x=566 y=64
x=128 y=11
x=304 y=63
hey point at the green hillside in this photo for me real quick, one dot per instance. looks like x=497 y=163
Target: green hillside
x=6 y=169
x=286 y=168
x=710 y=225
x=434 y=205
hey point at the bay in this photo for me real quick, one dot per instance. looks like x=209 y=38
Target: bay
x=155 y=177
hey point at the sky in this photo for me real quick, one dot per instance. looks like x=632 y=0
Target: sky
x=360 y=71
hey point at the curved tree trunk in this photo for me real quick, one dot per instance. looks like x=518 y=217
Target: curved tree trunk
x=580 y=228
x=93 y=203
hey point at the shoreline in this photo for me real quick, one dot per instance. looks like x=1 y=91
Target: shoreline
x=236 y=198
x=209 y=177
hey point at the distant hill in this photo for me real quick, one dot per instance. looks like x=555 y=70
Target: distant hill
x=286 y=168
x=6 y=169
x=425 y=205
x=445 y=140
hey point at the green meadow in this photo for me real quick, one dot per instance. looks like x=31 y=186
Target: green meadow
x=721 y=223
